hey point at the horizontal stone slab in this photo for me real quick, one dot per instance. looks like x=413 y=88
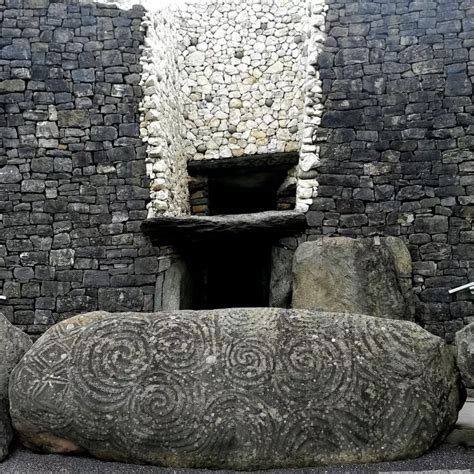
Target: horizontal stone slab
x=170 y=230
x=265 y=161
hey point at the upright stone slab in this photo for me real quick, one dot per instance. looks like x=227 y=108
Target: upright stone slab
x=13 y=344
x=236 y=388
x=465 y=354
x=354 y=275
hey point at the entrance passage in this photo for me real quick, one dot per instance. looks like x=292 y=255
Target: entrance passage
x=233 y=275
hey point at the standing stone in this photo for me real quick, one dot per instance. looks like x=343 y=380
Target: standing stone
x=354 y=275
x=465 y=354
x=280 y=277
x=13 y=344
x=236 y=388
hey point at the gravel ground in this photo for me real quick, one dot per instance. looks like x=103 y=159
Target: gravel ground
x=452 y=459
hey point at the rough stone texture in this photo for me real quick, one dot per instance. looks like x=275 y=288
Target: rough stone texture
x=465 y=354
x=163 y=116
x=168 y=230
x=236 y=389
x=73 y=181
x=224 y=80
x=384 y=124
x=396 y=141
x=243 y=75
x=281 y=277
x=354 y=275
x=13 y=344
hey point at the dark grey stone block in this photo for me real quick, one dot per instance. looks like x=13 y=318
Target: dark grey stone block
x=102 y=133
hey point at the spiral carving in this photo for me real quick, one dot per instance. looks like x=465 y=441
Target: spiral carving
x=201 y=389
x=373 y=336
x=107 y=360
x=313 y=367
x=250 y=362
x=184 y=343
x=162 y=412
x=237 y=423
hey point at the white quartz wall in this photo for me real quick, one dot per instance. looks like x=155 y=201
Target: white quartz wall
x=243 y=73
x=162 y=117
x=307 y=185
x=226 y=78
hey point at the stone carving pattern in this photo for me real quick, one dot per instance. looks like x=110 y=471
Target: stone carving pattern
x=289 y=382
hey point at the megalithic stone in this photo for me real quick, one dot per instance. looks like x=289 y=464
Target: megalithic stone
x=236 y=388
x=465 y=354
x=13 y=344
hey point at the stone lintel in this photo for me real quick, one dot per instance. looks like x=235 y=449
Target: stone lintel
x=254 y=162
x=185 y=230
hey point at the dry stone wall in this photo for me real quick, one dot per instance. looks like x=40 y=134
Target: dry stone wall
x=243 y=76
x=162 y=121
x=101 y=107
x=73 y=183
x=397 y=140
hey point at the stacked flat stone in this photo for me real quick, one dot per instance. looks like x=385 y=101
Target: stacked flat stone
x=73 y=183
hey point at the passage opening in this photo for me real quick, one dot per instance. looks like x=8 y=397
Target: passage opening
x=243 y=185
x=242 y=192
x=231 y=275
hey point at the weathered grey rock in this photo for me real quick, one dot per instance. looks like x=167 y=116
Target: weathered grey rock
x=12 y=85
x=103 y=133
x=74 y=118
x=280 y=277
x=465 y=354
x=47 y=130
x=19 y=50
x=10 y=174
x=13 y=344
x=236 y=388
x=354 y=275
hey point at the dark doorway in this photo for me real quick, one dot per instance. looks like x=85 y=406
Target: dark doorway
x=242 y=185
x=231 y=275
x=242 y=192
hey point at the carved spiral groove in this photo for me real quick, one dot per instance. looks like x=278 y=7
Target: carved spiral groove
x=108 y=358
x=249 y=362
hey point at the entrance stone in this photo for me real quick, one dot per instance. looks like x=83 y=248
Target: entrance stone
x=354 y=275
x=236 y=388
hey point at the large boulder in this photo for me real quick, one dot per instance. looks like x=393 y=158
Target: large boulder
x=366 y=276
x=13 y=344
x=236 y=388
x=465 y=354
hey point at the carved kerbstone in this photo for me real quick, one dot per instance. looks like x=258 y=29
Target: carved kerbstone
x=13 y=344
x=236 y=388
